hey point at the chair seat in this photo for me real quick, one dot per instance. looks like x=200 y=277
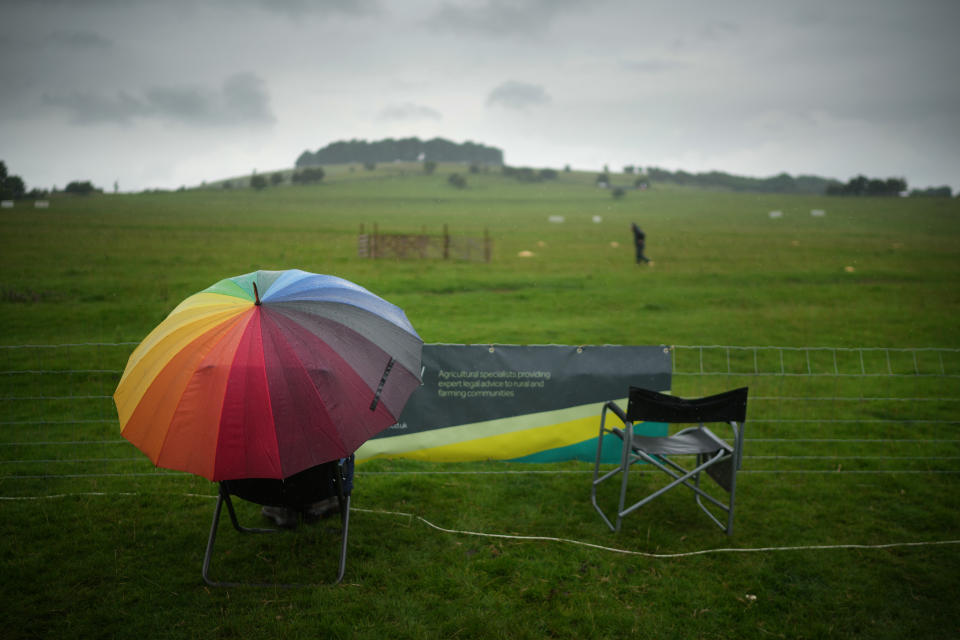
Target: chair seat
x=692 y=441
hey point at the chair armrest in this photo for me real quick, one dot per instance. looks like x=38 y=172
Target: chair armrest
x=612 y=406
x=617 y=411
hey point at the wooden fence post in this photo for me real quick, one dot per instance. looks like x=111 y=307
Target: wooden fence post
x=363 y=244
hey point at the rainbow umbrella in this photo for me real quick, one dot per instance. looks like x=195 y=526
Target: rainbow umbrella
x=267 y=374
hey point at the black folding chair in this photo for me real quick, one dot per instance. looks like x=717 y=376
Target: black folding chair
x=719 y=459
x=298 y=492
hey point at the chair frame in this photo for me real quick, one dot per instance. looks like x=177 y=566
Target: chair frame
x=343 y=500
x=720 y=460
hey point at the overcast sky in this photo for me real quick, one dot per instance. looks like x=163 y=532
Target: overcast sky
x=155 y=94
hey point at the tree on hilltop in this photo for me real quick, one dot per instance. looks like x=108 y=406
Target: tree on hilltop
x=861 y=185
x=308 y=176
x=79 y=188
x=932 y=192
x=11 y=187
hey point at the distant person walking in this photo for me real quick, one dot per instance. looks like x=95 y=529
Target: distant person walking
x=639 y=241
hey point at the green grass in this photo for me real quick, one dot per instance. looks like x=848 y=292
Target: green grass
x=120 y=263
x=119 y=556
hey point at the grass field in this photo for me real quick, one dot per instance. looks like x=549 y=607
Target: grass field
x=100 y=555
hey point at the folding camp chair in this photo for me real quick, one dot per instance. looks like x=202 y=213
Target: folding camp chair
x=715 y=456
x=298 y=491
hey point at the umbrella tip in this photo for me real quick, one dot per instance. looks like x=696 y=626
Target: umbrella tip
x=256 y=294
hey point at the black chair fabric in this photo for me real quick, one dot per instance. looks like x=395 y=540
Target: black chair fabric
x=659 y=407
x=298 y=491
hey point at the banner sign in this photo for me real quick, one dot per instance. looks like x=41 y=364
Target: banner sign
x=519 y=403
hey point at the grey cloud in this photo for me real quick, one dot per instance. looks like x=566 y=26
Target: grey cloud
x=24 y=43
x=496 y=17
x=716 y=30
x=89 y=108
x=409 y=111
x=242 y=100
x=652 y=65
x=56 y=4
x=245 y=100
x=518 y=95
x=283 y=6
x=296 y=8
x=78 y=40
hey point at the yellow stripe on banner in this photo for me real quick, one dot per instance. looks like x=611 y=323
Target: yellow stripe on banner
x=185 y=324
x=512 y=445
x=501 y=439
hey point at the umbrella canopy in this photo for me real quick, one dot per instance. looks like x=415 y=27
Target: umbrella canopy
x=267 y=374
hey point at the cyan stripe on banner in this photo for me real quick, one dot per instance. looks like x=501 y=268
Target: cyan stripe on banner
x=586 y=451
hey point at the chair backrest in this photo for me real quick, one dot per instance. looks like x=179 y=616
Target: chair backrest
x=730 y=406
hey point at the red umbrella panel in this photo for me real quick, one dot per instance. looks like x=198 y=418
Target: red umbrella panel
x=267 y=374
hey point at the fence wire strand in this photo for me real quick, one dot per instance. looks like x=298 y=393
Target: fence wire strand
x=875 y=410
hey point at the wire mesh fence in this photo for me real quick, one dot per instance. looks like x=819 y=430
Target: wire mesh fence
x=832 y=410
x=811 y=410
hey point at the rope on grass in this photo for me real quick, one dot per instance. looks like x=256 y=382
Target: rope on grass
x=504 y=536
x=70 y=495
x=659 y=556
x=185 y=475
x=86 y=494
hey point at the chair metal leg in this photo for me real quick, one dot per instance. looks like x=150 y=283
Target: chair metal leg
x=728 y=507
x=344 y=502
x=213 y=535
x=223 y=497
x=678 y=479
x=345 y=526
x=625 y=467
x=625 y=436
